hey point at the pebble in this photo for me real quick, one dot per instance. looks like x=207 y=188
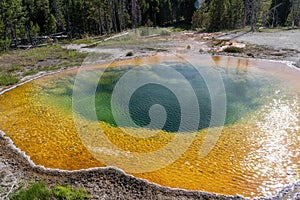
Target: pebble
x=291 y=172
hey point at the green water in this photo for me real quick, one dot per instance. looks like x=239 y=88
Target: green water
x=245 y=92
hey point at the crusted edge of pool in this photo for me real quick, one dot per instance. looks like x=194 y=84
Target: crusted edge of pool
x=124 y=185
x=114 y=179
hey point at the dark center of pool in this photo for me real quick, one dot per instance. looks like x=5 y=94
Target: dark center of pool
x=244 y=92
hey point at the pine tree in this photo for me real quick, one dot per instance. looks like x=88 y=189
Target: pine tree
x=218 y=15
x=50 y=25
x=280 y=12
x=12 y=17
x=201 y=18
x=294 y=16
x=56 y=9
x=42 y=12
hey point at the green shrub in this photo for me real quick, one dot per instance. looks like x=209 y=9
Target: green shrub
x=147 y=31
x=8 y=79
x=4 y=44
x=72 y=54
x=68 y=193
x=39 y=191
x=233 y=50
x=149 y=23
x=36 y=191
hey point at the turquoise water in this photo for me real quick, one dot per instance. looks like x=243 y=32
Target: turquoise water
x=244 y=91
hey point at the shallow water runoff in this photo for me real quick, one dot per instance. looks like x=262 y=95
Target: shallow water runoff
x=216 y=124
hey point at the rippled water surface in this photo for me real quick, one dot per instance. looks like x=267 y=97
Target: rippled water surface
x=256 y=154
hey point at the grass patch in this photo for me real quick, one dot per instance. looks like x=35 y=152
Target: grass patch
x=39 y=191
x=75 y=54
x=135 y=38
x=177 y=29
x=124 y=42
x=29 y=73
x=39 y=54
x=270 y=30
x=233 y=50
x=68 y=193
x=16 y=64
x=15 y=68
x=147 y=31
x=89 y=40
x=48 y=68
x=34 y=191
x=8 y=79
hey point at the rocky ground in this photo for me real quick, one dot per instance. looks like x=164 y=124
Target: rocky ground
x=109 y=183
x=266 y=44
x=284 y=42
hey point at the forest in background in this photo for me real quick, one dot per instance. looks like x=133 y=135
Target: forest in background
x=26 y=18
x=215 y=15
x=32 y=18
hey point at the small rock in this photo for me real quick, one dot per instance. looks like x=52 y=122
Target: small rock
x=291 y=172
x=187 y=163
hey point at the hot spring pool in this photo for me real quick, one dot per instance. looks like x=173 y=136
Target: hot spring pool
x=105 y=116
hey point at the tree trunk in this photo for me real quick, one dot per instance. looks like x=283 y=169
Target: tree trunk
x=113 y=16
x=29 y=33
x=59 y=23
x=133 y=13
x=108 y=27
x=100 y=21
x=5 y=28
x=120 y=15
x=67 y=15
x=15 y=35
